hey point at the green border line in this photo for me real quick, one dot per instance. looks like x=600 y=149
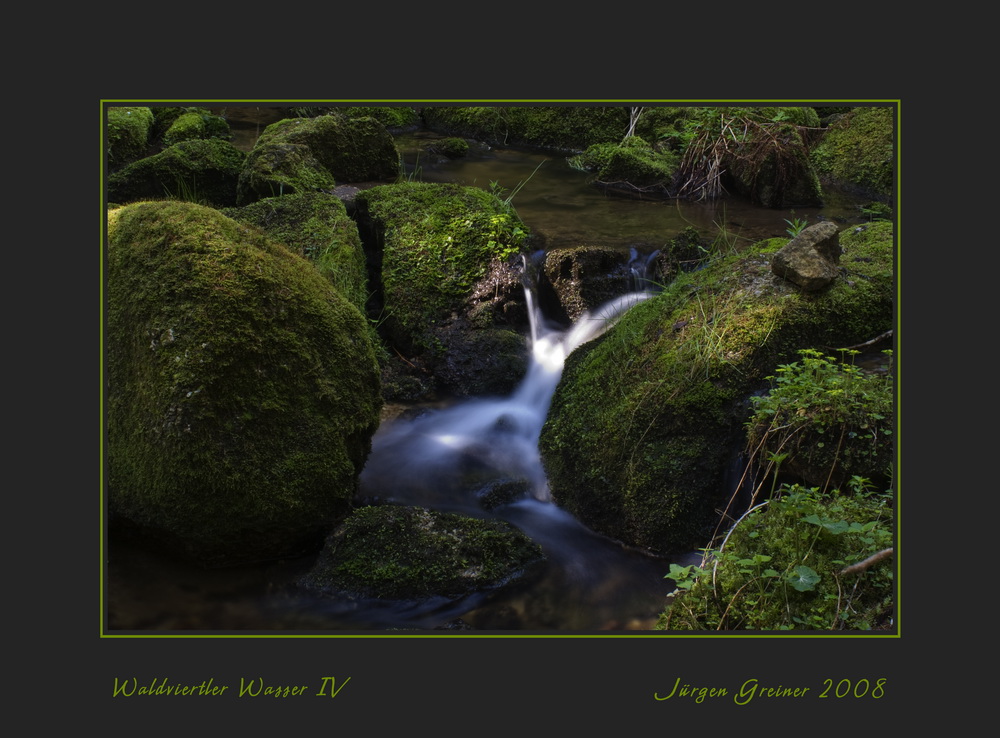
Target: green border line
x=783 y=635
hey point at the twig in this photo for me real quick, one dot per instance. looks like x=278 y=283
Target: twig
x=877 y=339
x=870 y=561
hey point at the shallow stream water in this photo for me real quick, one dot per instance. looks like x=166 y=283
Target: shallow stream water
x=589 y=583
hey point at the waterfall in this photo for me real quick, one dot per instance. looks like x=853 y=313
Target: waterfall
x=444 y=458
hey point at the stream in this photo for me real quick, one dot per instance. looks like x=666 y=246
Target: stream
x=589 y=583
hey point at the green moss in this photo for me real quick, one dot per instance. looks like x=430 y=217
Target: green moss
x=316 y=226
x=632 y=163
x=202 y=171
x=857 y=151
x=438 y=241
x=128 y=133
x=310 y=154
x=399 y=553
x=393 y=118
x=242 y=388
x=645 y=420
x=785 y=567
x=196 y=124
x=569 y=128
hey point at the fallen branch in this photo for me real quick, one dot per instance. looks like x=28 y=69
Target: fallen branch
x=870 y=561
x=877 y=339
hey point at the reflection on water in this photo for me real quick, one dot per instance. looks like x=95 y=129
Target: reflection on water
x=566 y=208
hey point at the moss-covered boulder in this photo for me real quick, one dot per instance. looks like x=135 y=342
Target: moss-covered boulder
x=857 y=152
x=825 y=421
x=631 y=165
x=314 y=225
x=563 y=128
x=202 y=171
x=195 y=124
x=298 y=155
x=393 y=552
x=646 y=421
x=242 y=388
x=394 y=118
x=128 y=134
x=447 y=256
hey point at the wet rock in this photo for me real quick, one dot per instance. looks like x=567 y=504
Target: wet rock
x=585 y=277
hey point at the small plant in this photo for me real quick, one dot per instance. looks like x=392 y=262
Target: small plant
x=830 y=419
x=507 y=198
x=802 y=560
x=795 y=226
x=409 y=177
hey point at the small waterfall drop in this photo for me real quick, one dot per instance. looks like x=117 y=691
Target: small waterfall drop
x=443 y=458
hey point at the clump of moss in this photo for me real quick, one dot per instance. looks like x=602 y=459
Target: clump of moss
x=453 y=148
x=243 y=390
x=631 y=164
x=202 y=171
x=857 y=151
x=803 y=561
x=437 y=241
x=128 y=134
x=196 y=123
x=315 y=225
x=400 y=553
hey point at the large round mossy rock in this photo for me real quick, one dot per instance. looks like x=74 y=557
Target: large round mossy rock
x=648 y=420
x=298 y=155
x=242 y=387
x=395 y=552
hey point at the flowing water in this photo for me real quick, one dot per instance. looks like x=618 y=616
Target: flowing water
x=444 y=458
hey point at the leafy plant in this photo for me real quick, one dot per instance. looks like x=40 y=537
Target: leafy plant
x=795 y=226
x=800 y=560
x=828 y=418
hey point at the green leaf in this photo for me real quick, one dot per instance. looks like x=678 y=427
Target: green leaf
x=802 y=578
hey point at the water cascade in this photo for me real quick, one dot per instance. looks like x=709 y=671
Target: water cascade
x=451 y=458
x=442 y=457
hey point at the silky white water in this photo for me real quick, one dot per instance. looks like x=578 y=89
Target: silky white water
x=445 y=458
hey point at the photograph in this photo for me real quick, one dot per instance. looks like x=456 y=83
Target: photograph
x=615 y=370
